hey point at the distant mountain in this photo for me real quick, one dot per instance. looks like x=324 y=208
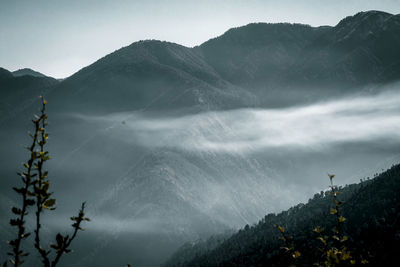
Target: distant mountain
x=255 y=65
x=5 y=75
x=301 y=62
x=258 y=53
x=372 y=213
x=19 y=92
x=148 y=75
x=359 y=50
x=27 y=71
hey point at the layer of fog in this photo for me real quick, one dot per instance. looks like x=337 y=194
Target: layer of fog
x=296 y=142
x=97 y=159
x=315 y=127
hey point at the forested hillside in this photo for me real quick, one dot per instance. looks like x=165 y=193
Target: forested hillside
x=371 y=209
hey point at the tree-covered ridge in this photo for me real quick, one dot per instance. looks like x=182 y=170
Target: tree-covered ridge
x=371 y=209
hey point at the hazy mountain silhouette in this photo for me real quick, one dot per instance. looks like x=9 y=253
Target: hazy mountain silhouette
x=27 y=71
x=18 y=92
x=148 y=75
x=255 y=65
x=284 y=60
x=258 y=64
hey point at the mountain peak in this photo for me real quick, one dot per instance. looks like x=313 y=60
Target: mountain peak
x=371 y=18
x=363 y=26
x=27 y=71
x=5 y=74
x=260 y=34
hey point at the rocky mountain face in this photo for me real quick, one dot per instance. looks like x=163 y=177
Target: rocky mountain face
x=139 y=191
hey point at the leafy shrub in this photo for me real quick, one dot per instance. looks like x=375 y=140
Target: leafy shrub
x=35 y=192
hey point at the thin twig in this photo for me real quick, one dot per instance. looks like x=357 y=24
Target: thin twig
x=40 y=197
x=26 y=178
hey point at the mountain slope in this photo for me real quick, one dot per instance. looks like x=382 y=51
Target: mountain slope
x=148 y=75
x=29 y=72
x=274 y=60
x=359 y=50
x=371 y=210
x=255 y=65
x=258 y=53
x=19 y=92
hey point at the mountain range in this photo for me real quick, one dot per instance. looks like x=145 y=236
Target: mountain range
x=173 y=194
x=259 y=64
x=246 y=66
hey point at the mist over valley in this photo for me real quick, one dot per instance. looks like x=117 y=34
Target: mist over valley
x=169 y=144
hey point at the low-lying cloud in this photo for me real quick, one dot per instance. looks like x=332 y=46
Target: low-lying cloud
x=316 y=126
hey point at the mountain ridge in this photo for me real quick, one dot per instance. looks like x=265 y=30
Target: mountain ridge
x=28 y=71
x=259 y=64
x=20 y=92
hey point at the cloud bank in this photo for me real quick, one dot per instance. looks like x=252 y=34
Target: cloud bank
x=317 y=126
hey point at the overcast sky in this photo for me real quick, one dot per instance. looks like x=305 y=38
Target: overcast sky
x=59 y=37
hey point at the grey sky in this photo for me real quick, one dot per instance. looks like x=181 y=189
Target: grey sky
x=58 y=37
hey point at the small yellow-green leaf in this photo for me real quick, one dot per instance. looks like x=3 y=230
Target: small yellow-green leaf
x=46 y=186
x=296 y=254
x=322 y=240
x=44 y=175
x=318 y=229
x=346 y=256
x=49 y=203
